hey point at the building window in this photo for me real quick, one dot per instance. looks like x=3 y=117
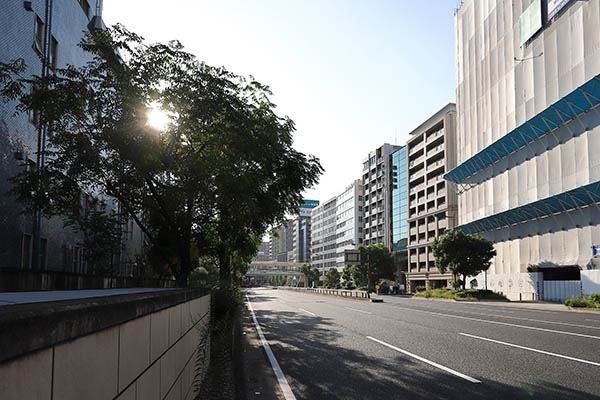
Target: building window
x=39 y=32
x=26 y=252
x=34 y=117
x=85 y=6
x=43 y=252
x=53 y=53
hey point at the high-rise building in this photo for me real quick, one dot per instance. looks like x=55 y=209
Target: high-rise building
x=300 y=252
x=399 y=207
x=431 y=206
x=323 y=236
x=53 y=29
x=377 y=196
x=528 y=174
x=348 y=220
x=281 y=241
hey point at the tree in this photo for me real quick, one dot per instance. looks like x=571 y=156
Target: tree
x=332 y=278
x=311 y=274
x=209 y=183
x=377 y=262
x=462 y=254
x=347 y=281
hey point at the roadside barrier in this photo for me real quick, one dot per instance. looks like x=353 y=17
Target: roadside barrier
x=357 y=294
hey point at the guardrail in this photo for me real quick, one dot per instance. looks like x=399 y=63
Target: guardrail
x=357 y=294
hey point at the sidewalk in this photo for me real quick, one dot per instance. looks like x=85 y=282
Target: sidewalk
x=260 y=379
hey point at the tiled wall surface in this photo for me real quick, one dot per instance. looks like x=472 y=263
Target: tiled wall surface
x=151 y=357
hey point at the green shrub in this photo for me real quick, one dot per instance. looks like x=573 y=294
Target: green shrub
x=595 y=297
x=581 y=303
x=469 y=294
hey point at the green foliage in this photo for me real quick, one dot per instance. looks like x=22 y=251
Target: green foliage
x=347 y=281
x=311 y=274
x=469 y=294
x=462 y=254
x=582 y=303
x=332 y=279
x=210 y=182
x=592 y=302
x=377 y=260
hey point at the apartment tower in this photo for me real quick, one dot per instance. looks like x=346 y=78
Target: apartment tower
x=431 y=206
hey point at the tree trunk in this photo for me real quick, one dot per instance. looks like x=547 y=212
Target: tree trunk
x=464 y=281
x=224 y=268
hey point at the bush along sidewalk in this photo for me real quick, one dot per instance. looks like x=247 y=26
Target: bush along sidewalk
x=592 y=302
x=456 y=294
x=224 y=378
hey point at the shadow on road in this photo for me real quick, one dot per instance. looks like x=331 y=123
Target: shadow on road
x=316 y=358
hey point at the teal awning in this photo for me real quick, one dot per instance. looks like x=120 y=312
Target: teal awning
x=574 y=104
x=580 y=197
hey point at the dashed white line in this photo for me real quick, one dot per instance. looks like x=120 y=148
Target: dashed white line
x=357 y=310
x=501 y=323
x=308 y=312
x=426 y=361
x=524 y=319
x=531 y=349
x=283 y=383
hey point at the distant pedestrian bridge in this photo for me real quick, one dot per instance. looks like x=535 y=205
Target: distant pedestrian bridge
x=261 y=272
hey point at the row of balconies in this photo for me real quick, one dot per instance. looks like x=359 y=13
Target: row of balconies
x=423 y=209
x=430 y=196
x=432 y=226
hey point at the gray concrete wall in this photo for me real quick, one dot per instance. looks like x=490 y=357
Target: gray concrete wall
x=158 y=355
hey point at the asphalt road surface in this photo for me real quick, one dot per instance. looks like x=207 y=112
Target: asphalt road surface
x=408 y=348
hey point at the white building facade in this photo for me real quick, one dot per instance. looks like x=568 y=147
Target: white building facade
x=323 y=236
x=349 y=220
x=528 y=136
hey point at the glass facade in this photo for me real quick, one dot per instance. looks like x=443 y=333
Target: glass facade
x=399 y=207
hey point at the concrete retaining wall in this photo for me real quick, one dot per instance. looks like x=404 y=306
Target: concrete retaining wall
x=160 y=353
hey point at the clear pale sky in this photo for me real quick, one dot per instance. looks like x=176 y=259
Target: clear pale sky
x=352 y=74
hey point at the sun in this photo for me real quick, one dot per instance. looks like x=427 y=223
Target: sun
x=157 y=118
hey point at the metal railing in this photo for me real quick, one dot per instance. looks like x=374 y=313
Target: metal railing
x=358 y=294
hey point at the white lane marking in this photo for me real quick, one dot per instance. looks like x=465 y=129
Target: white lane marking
x=593 y=320
x=283 y=383
x=357 y=310
x=426 y=361
x=308 y=312
x=501 y=323
x=535 y=350
x=523 y=319
x=507 y=309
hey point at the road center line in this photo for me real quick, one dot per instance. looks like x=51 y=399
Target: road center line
x=433 y=364
x=530 y=349
x=283 y=383
x=500 y=323
x=357 y=310
x=308 y=312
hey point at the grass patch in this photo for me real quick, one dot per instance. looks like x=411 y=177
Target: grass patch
x=468 y=294
x=583 y=303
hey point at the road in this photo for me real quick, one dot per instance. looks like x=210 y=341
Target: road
x=408 y=348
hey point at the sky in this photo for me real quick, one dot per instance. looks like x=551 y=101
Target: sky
x=351 y=74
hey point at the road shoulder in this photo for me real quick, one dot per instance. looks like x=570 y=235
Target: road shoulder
x=261 y=382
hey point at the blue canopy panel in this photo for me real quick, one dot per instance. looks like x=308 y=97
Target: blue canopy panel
x=572 y=105
x=572 y=199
